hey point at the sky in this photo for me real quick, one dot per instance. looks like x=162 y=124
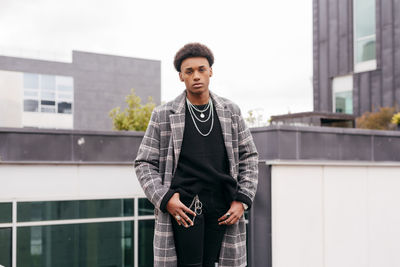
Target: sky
x=262 y=49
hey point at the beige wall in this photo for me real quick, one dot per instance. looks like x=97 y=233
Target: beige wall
x=335 y=214
x=11 y=99
x=63 y=181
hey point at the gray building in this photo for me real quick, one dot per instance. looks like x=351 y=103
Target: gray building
x=356 y=57
x=73 y=95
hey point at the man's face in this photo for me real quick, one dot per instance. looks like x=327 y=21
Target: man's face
x=196 y=73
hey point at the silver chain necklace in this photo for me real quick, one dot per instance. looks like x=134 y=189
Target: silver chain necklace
x=191 y=108
x=201 y=111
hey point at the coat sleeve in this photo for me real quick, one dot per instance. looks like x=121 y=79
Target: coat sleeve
x=248 y=164
x=147 y=163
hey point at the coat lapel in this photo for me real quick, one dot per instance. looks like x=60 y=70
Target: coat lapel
x=224 y=116
x=177 y=120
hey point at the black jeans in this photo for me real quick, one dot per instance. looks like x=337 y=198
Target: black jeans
x=199 y=245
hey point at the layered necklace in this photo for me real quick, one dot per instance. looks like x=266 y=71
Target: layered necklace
x=202 y=117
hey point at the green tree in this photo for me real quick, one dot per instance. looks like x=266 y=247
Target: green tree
x=135 y=117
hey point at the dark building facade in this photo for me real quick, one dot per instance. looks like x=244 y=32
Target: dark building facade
x=356 y=55
x=73 y=95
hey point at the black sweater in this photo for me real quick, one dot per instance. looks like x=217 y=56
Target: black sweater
x=203 y=163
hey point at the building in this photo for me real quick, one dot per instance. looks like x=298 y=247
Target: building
x=326 y=197
x=356 y=55
x=73 y=95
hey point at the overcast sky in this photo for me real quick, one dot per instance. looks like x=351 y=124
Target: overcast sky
x=262 y=49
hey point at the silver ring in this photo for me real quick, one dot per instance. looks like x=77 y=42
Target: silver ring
x=227 y=214
x=178 y=218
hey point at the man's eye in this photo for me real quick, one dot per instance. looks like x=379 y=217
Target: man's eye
x=202 y=70
x=188 y=72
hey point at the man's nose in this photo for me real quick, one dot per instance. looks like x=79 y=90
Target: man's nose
x=196 y=75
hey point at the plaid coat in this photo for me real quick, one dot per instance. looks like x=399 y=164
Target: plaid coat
x=157 y=160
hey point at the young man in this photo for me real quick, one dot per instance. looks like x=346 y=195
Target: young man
x=197 y=164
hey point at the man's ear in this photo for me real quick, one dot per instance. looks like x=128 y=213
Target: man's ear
x=211 y=72
x=181 y=76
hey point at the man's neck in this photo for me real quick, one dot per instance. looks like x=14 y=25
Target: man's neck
x=198 y=99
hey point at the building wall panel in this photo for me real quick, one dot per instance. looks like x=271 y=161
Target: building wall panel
x=330 y=215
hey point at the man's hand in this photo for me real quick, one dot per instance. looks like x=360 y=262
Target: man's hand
x=177 y=209
x=235 y=212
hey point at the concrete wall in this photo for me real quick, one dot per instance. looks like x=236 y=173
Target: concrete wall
x=333 y=55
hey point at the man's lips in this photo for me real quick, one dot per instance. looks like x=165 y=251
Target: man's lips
x=197 y=85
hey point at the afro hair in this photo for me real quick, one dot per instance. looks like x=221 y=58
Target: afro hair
x=192 y=50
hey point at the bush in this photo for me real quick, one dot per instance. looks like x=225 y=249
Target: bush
x=135 y=117
x=380 y=120
x=396 y=119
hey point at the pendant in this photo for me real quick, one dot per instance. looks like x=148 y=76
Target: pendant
x=202 y=115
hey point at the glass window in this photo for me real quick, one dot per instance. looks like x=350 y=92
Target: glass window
x=31 y=105
x=56 y=93
x=48 y=103
x=65 y=97
x=145 y=207
x=64 y=107
x=65 y=81
x=344 y=102
x=47 y=95
x=48 y=109
x=64 y=88
x=366 y=50
x=48 y=82
x=31 y=80
x=5 y=212
x=342 y=89
x=91 y=244
x=31 y=94
x=365 y=17
x=5 y=246
x=365 y=29
x=146 y=233
x=78 y=209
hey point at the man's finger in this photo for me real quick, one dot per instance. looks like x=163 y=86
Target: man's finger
x=185 y=219
x=226 y=221
x=225 y=216
x=186 y=209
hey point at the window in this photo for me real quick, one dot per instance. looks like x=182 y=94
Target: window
x=48 y=93
x=5 y=212
x=5 y=246
x=364 y=35
x=92 y=232
x=85 y=244
x=342 y=90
